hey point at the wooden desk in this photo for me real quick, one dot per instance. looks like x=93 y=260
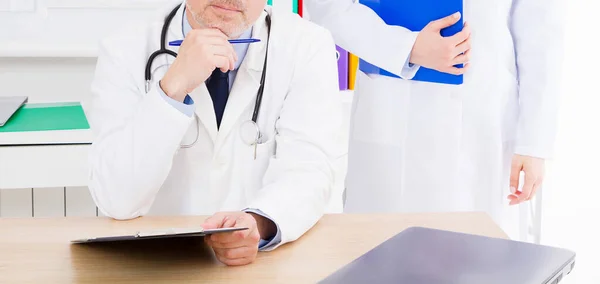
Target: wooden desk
x=38 y=250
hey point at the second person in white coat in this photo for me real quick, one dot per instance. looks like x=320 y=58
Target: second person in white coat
x=424 y=147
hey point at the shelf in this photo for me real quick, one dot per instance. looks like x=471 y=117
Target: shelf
x=43 y=50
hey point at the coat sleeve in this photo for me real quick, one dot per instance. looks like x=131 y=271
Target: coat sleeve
x=359 y=30
x=136 y=136
x=537 y=29
x=300 y=177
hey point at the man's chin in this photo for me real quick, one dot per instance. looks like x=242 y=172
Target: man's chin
x=232 y=31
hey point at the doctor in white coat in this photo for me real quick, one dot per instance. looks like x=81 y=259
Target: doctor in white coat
x=177 y=147
x=426 y=147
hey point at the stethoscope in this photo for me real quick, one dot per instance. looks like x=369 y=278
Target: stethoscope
x=249 y=130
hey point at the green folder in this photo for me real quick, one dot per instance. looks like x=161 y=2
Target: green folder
x=47 y=117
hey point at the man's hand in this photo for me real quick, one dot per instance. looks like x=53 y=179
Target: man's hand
x=433 y=51
x=240 y=247
x=202 y=51
x=534 y=176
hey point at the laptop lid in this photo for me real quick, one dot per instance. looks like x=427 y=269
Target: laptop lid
x=8 y=106
x=427 y=256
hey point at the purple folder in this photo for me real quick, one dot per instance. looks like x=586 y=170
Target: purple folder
x=342 y=58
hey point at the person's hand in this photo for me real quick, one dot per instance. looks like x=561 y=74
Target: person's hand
x=240 y=247
x=202 y=51
x=432 y=50
x=534 y=176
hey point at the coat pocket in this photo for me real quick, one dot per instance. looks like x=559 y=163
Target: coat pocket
x=257 y=163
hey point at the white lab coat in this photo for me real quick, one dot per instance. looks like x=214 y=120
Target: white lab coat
x=138 y=167
x=417 y=146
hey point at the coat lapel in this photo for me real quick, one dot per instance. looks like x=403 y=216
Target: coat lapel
x=247 y=81
x=205 y=110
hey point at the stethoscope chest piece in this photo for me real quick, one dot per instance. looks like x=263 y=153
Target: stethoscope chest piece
x=250 y=133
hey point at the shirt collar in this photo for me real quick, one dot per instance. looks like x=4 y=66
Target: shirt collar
x=240 y=48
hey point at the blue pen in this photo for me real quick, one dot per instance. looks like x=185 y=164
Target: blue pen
x=232 y=41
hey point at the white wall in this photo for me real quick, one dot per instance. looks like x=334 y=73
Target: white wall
x=47 y=57
x=571 y=216
x=47 y=79
x=46 y=27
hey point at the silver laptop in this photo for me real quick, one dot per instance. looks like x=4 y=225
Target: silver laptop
x=8 y=106
x=426 y=256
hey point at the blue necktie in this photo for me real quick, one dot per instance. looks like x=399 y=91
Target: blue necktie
x=218 y=87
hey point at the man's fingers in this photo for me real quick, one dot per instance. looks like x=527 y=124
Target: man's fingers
x=237 y=252
x=214 y=222
x=228 y=49
x=242 y=221
x=227 y=52
x=222 y=50
x=208 y=242
x=240 y=255
x=233 y=239
x=220 y=245
x=236 y=262
x=222 y=62
x=218 y=42
x=445 y=22
x=229 y=222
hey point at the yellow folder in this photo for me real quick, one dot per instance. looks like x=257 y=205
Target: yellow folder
x=352 y=68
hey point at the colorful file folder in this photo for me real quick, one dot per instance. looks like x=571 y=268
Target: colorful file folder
x=47 y=117
x=342 y=59
x=290 y=5
x=47 y=124
x=352 y=69
x=415 y=15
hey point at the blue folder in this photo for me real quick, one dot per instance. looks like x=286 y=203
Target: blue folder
x=415 y=15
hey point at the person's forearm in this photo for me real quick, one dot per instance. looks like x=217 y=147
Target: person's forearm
x=358 y=29
x=537 y=28
x=131 y=159
x=298 y=183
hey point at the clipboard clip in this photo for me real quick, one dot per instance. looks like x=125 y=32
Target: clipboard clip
x=171 y=231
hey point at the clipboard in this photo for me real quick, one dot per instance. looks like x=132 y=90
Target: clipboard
x=157 y=234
